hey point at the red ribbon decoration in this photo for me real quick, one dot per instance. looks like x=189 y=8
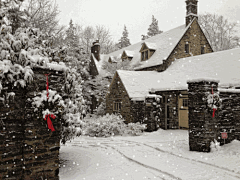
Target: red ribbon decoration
x=47 y=84
x=214 y=109
x=49 y=122
x=47 y=117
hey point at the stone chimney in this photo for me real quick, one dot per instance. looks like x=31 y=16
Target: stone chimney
x=192 y=7
x=95 y=50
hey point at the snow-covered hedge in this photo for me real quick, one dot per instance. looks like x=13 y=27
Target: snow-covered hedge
x=111 y=125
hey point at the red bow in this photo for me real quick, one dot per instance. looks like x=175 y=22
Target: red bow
x=47 y=117
x=49 y=122
x=214 y=109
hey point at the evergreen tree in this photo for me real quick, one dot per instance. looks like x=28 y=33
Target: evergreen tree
x=14 y=14
x=153 y=28
x=124 y=41
x=71 y=40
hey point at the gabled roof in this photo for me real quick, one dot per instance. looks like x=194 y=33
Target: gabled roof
x=223 y=65
x=137 y=83
x=163 y=44
x=129 y=53
x=151 y=45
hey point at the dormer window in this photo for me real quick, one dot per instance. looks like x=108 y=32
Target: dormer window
x=112 y=59
x=187 y=48
x=127 y=55
x=147 y=50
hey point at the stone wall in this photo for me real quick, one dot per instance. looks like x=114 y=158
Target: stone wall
x=28 y=149
x=203 y=128
x=229 y=117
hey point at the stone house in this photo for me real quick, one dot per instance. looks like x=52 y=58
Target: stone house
x=132 y=87
x=162 y=65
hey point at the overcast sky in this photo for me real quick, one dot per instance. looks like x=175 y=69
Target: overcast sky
x=137 y=14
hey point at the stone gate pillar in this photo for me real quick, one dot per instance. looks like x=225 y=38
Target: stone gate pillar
x=203 y=128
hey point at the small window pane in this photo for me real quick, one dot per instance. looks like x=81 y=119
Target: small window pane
x=117 y=106
x=185 y=102
x=202 y=50
x=146 y=55
x=142 y=56
x=187 y=48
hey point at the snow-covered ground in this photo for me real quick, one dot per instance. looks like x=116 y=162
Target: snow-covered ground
x=157 y=155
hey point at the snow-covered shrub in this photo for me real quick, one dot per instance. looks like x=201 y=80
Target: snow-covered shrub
x=105 y=126
x=110 y=125
x=215 y=146
x=135 y=128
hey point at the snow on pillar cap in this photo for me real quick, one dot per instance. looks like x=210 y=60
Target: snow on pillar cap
x=203 y=80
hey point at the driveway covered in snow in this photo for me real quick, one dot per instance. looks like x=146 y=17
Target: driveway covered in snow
x=157 y=155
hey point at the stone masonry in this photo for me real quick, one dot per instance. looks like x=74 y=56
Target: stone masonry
x=28 y=149
x=203 y=128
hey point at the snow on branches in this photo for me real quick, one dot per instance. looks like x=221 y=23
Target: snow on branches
x=51 y=104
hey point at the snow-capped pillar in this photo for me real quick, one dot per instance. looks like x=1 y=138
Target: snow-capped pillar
x=95 y=50
x=203 y=120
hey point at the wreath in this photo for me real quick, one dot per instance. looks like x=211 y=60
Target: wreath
x=213 y=101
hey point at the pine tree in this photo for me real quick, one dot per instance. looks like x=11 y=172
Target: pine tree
x=16 y=17
x=72 y=40
x=153 y=28
x=124 y=41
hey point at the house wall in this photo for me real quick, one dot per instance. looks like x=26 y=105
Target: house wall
x=118 y=93
x=195 y=38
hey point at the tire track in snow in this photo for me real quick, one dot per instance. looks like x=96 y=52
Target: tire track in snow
x=232 y=173
x=144 y=165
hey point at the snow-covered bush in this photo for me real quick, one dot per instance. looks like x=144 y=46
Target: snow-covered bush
x=110 y=125
x=105 y=126
x=135 y=128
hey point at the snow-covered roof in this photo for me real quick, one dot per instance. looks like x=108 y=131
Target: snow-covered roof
x=138 y=83
x=151 y=45
x=163 y=44
x=129 y=53
x=223 y=66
